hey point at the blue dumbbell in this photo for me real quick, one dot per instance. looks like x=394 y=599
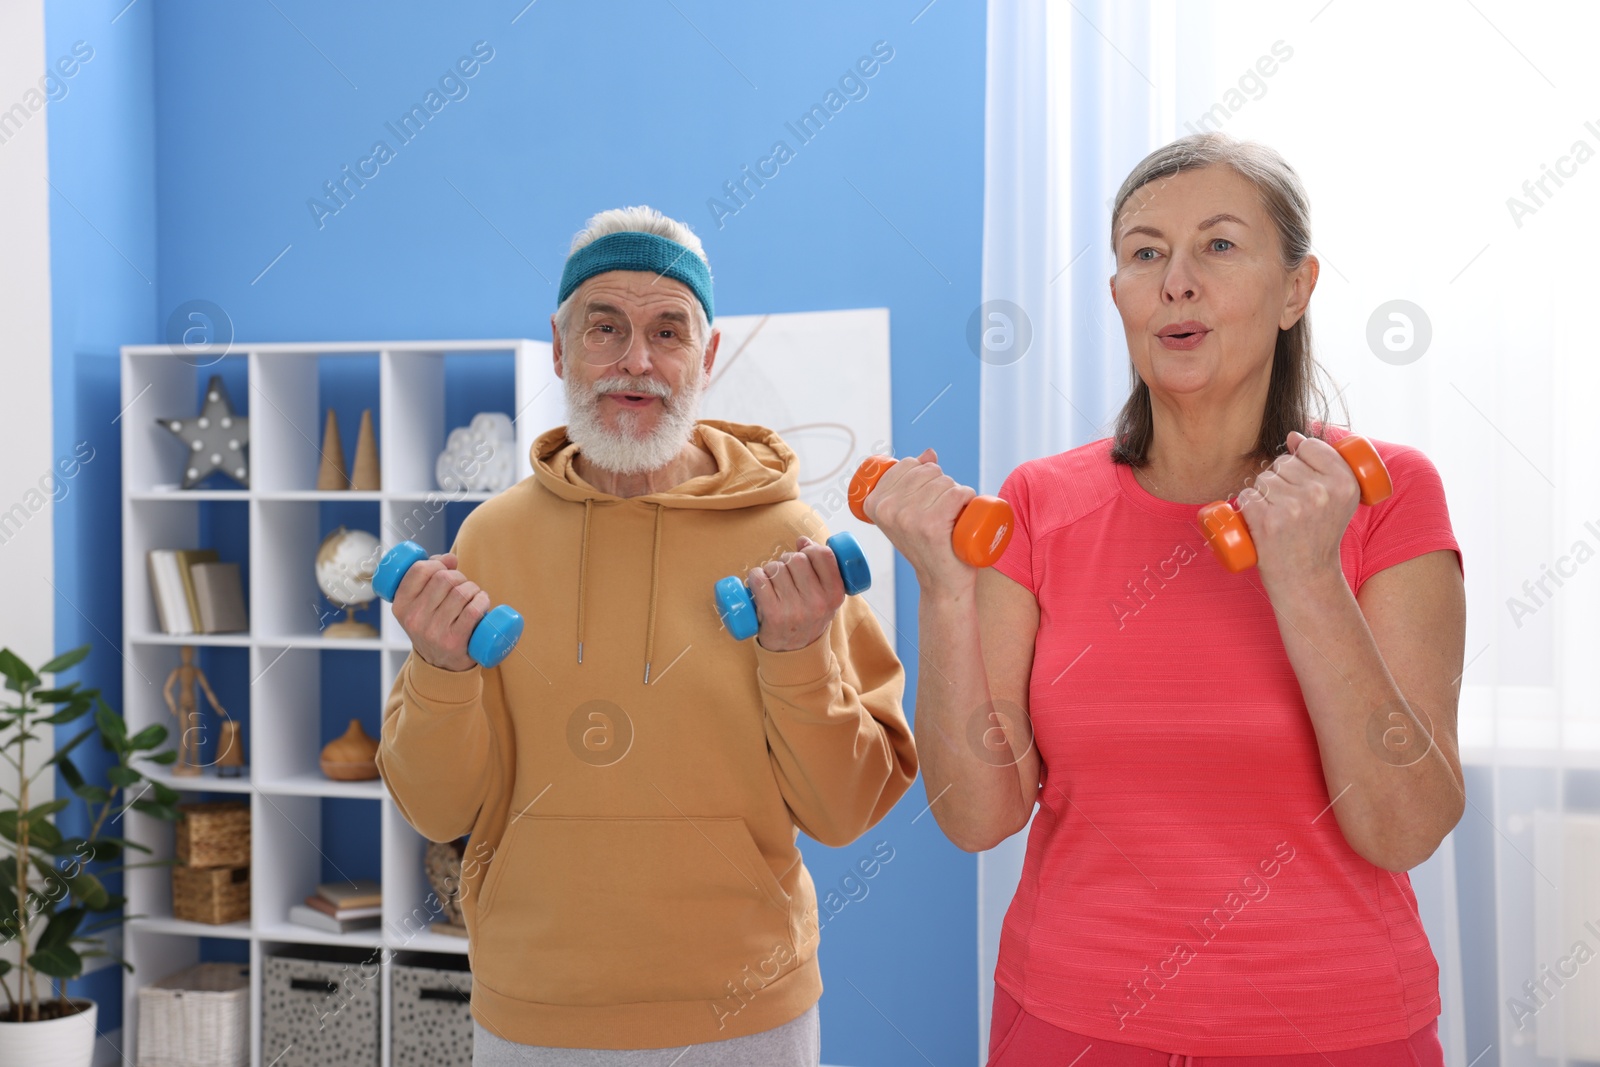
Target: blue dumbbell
x=738 y=610
x=496 y=633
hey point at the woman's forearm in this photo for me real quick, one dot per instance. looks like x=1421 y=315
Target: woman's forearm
x=972 y=757
x=1389 y=757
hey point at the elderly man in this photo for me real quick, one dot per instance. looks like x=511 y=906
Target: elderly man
x=632 y=778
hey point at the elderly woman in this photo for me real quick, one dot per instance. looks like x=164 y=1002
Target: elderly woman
x=1232 y=771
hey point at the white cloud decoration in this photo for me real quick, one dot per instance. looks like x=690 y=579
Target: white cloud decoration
x=479 y=457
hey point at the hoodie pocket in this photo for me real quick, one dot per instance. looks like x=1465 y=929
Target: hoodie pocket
x=618 y=910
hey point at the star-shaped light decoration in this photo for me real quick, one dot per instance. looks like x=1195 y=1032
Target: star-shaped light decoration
x=218 y=440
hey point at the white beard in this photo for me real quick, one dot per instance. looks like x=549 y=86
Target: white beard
x=625 y=452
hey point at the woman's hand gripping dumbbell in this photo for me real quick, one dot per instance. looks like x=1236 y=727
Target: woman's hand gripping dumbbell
x=790 y=601
x=918 y=499
x=446 y=616
x=1227 y=524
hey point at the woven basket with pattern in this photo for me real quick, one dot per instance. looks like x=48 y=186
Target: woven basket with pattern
x=199 y=1017
x=214 y=834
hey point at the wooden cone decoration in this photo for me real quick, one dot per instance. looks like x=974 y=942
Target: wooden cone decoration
x=331 y=473
x=366 y=473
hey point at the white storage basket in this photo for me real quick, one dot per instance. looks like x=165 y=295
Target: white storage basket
x=199 y=1017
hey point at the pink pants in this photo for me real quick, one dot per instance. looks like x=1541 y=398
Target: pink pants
x=1017 y=1039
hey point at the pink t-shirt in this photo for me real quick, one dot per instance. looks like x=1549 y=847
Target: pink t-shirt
x=1185 y=886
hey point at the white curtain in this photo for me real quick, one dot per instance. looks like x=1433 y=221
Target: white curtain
x=1073 y=103
x=1452 y=155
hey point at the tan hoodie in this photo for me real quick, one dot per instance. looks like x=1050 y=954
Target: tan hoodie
x=632 y=777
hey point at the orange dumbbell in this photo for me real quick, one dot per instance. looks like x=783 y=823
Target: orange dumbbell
x=982 y=531
x=1228 y=535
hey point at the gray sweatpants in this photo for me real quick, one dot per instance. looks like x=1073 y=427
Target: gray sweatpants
x=794 y=1044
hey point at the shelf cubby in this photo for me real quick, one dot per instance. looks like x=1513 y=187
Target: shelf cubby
x=291 y=685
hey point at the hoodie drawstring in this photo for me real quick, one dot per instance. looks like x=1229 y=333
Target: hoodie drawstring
x=655 y=565
x=655 y=574
x=583 y=570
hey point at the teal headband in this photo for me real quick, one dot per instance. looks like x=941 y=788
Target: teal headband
x=632 y=250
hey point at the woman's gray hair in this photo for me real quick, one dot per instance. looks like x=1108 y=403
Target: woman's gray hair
x=1294 y=396
x=638 y=219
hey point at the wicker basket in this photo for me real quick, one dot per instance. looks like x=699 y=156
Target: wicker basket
x=211 y=894
x=214 y=834
x=199 y=1017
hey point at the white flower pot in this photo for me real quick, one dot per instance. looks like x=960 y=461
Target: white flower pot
x=67 y=1042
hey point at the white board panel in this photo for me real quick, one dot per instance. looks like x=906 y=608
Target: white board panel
x=821 y=380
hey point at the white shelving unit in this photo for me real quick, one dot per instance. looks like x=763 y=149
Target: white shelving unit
x=285 y=731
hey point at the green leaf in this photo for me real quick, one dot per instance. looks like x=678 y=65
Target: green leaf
x=166 y=795
x=56 y=696
x=19 y=676
x=155 y=810
x=5 y=965
x=90 y=890
x=8 y=900
x=99 y=850
x=121 y=842
x=163 y=757
x=69 y=773
x=94 y=794
x=149 y=737
x=65 y=660
x=113 y=728
x=41 y=835
x=44 y=835
x=61 y=928
x=72 y=711
x=54 y=889
x=60 y=963
x=126 y=777
x=44 y=811
x=62 y=848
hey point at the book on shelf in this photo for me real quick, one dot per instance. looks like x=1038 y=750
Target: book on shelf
x=329 y=908
x=187 y=558
x=306 y=916
x=219 y=593
x=195 y=592
x=360 y=893
x=163 y=569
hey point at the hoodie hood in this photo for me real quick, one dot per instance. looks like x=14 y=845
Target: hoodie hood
x=754 y=467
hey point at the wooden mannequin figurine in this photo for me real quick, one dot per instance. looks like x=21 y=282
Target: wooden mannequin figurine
x=188 y=763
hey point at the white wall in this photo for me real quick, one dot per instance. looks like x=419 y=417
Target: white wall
x=27 y=606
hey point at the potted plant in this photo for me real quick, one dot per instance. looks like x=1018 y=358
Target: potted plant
x=46 y=885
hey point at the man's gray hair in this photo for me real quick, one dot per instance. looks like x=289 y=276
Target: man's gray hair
x=638 y=219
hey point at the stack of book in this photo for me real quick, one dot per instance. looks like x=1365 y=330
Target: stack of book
x=340 y=907
x=196 y=593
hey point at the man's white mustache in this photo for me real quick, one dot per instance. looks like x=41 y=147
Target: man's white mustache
x=642 y=386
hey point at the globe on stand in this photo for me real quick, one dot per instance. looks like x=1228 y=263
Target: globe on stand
x=346 y=561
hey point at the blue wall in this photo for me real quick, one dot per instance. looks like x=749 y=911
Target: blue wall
x=104 y=294
x=200 y=131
